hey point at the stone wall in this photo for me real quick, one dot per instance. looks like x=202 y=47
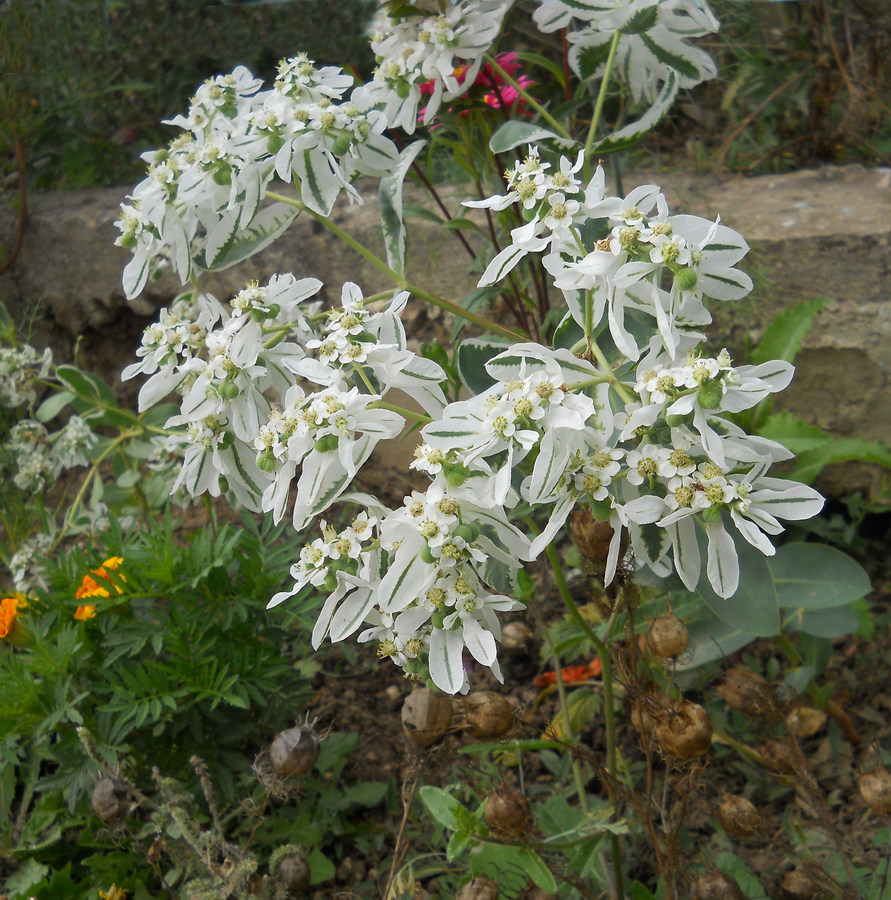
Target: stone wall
x=821 y=233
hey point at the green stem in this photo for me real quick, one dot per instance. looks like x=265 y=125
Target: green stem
x=408 y=413
x=601 y=96
x=400 y=280
x=609 y=715
x=528 y=98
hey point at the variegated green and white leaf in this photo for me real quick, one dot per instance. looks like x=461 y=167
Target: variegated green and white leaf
x=392 y=218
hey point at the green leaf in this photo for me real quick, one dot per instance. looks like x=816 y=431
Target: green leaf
x=28 y=874
x=790 y=431
x=643 y=20
x=816 y=576
x=823 y=623
x=442 y=805
x=631 y=134
x=537 y=870
x=639 y=892
x=269 y=224
x=86 y=386
x=320 y=867
x=812 y=463
x=472 y=356
x=458 y=843
x=515 y=134
x=392 y=221
x=52 y=406
x=782 y=338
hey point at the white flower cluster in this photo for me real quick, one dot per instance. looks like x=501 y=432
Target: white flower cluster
x=40 y=456
x=646 y=261
x=419 y=50
x=20 y=368
x=652 y=46
x=235 y=138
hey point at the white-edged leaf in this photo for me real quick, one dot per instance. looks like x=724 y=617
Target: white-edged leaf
x=268 y=225
x=515 y=134
x=629 y=135
x=392 y=217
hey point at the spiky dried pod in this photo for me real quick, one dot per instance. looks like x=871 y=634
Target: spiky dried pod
x=801 y=884
x=488 y=716
x=875 y=788
x=685 y=732
x=507 y=813
x=294 y=874
x=111 y=799
x=294 y=752
x=751 y=694
x=715 y=885
x=426 y=717
x=481 y=888
x=779 y=756
x=739 y=818
x=516 y=637
x=667 y=636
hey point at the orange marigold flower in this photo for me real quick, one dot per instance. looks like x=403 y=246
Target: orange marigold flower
x=90 y=588
x=83 y=613
x=8 y=607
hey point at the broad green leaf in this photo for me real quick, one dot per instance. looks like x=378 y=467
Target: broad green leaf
x=52 y=406
x=86 y=386
x=472 y=356
x=782 y=338
x=442 y=805
x=812 y=463
x=392 y=219
x=823 y=623
x=711 y=638
x=630 y=134
x=515 y=134
x=730 y=864
x=231 y=248
x=458 y=843
x=816 y=576
x=790 y=431
x=320 y=867
x=537 y=870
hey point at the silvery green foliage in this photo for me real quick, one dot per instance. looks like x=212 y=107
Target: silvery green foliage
x=626 y=415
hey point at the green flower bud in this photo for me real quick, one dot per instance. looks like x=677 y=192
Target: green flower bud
x=685 y=279
x=468 y=531
x=710 y=395
x=327 y=443
x=222 y=176
x=273 y=310
x=438 y=617
x=427 y=555
x=403 y=89
x=266 y=462
x=455 y=473
x=674 y=421
x=341 y=145
x=229 y=390
x=601 y=509
x=274 y=144
x=712 y=515
x=127 y=240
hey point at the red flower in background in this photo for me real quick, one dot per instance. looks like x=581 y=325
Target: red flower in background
x=502 y=94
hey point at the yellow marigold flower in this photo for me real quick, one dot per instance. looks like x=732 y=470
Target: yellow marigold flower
x=90 y=588
x=12 y=629
x=8 y=607
x=83 y=613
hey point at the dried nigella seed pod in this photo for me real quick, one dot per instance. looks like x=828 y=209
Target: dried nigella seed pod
x=516 y=637
x=488 y=716
x=507 y=813
x=739 y=818
x=667 y=636
x=294 y=874
x=294 y=752
x=685 y=732
x=750 y=694
x=875 y=788
x=593 y=538
x=801 y=884
x=481 y=888
x=426 y=717
x=715 y=885
x=779 y=756
x=111 y=799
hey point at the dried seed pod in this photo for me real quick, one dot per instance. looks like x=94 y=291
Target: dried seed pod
x=801 y=884
x=875 y=788
x=294 y=874
x=426 y=717
x=805 y=721
x=667 y=636
x=715 y=885
x=779 y=757
x=739 y=818
x=516 y=637
x=507 y=813
x=488 y=716
x=294 y=752
x=111 y=799
x=593 y=538
x=481 y=888
x=751 y=694
x=685 y=732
